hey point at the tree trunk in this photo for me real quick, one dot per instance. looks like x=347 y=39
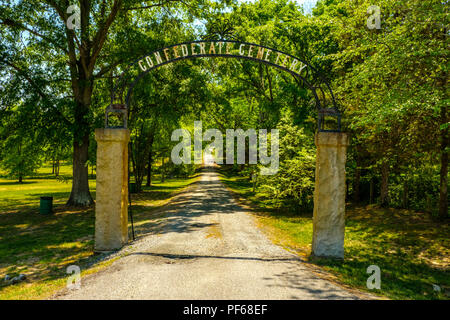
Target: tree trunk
x=371 y=191
x=356 y=180
x=443 y=188
x=57 y=167
x=20 y=178
x=384 y=192
x=82 y=88
x=131 y=149
x=405 y=194
x=80 y=195
x=254 y=178
x=346 y=190
x=149 y=162
x=429 y=204
x=162 y=169
x=149 y=170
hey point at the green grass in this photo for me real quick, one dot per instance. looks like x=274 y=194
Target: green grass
x=16 y=196
x=412 y=250
x=42 y=246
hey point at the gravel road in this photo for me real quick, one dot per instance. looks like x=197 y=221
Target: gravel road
x=208 y=248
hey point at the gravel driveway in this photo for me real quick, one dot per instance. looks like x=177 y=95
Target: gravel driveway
x=208 y=248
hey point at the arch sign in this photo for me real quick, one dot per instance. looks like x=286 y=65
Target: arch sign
x=112 y=143
x=222 y=48
x=300 y=69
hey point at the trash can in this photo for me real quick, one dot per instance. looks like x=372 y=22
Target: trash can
x=132 y=187
x=46 y=205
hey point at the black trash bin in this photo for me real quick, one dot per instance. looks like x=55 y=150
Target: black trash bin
x=46 y=205
x=132 y=187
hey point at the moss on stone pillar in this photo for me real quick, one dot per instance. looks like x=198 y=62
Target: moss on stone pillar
x=111 y=205
x=329 y=195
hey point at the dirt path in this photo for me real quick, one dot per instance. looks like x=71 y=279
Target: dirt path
x=209 y=248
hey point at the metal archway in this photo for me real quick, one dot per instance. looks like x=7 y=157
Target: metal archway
x=297 y=67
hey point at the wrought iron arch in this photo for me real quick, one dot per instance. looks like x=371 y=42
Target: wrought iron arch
x=310 y=77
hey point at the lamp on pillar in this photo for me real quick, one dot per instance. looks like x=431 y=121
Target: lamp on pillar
x=325 y=113
x=121 y=111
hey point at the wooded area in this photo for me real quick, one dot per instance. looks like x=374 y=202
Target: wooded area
x=390 y=84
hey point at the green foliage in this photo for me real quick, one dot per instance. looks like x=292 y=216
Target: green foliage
x=293 y=184
x=392 y=84
x=20 y=144
x=418 y=190
x=20 y=157
x=172 y=170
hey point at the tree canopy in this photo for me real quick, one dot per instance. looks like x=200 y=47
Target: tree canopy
x=391 y=85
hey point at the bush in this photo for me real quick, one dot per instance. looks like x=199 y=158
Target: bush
x=293 y=184
x=421 y=187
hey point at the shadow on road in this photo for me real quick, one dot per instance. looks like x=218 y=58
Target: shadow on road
x=204 y=197
x=193 y=256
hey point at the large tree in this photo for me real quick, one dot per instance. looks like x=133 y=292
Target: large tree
x=75 y=56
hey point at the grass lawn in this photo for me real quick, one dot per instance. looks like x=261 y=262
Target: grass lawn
x=42 y=246
x=412 y=250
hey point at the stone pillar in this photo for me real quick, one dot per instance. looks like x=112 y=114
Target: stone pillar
x=329 y=195
x=111 y=205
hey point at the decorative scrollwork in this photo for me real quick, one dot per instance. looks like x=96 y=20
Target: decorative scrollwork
x=221 y=38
